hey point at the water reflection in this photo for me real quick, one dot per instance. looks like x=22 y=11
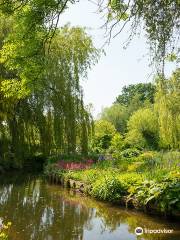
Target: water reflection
x=5 y=192
x=40 y=211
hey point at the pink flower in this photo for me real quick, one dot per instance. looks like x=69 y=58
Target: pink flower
x=74 y=166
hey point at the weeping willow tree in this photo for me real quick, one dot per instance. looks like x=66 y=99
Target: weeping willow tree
x=168 y=109
x=158 y=19
x=42 y=108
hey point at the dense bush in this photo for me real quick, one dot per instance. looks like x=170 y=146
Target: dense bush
x=143 y=129
x=170 y=196
x=164 y=195
x=130 y=152
x=108 y=188
x=145 y=191
x=126 y=158
x=116 y=143
x=104 y=132
x=130 y=179
x=146 y=162
x=156 y=165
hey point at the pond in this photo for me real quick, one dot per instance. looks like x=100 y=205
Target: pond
x=40 y=211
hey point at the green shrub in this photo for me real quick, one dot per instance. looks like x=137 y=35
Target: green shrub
x=65 y=157
x=116 y=145
x=143 y=129
x=156 y=165
x=170 y=197
x=165 y=195
x=93 y=156
x=130 y=153
x=52 y=170
x=135 y=167
x=170 y=159
x=145 y=191
x=75 y=175
x=108 y=188
x=122 y=166
x=91 y=175
x=146 y=162
x=88 y=176
x=148 y=156
x=125 y=158
x=105 y=164
x=130 y=179
x=104 y=131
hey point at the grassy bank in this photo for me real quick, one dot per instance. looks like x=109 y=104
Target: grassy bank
x=149 y=181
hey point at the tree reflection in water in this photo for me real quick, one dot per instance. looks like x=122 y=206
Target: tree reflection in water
x=40 y=211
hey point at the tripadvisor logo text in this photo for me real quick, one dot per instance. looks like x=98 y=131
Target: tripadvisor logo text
x=140 y=231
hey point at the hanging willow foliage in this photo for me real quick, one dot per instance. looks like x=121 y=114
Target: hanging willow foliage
x=51 y=118
x=159 y=19
x=168 y=109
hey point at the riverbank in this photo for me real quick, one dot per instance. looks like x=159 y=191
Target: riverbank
x=132 y=190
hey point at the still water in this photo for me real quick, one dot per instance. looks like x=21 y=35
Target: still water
x=40 y=211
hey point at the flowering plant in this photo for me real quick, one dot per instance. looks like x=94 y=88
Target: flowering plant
x=74 y=166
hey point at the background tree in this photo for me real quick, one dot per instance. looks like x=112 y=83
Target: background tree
x=33 y=27
x=168 y=109
x=132 y=98
x=143 y=91
x=50 y=118
x=117 y=143
x=143 y=129
x=116 y=114
x=104 y=132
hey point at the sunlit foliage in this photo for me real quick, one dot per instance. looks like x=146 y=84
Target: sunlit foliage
x=43 y=111
x=159 y=19
x=168 y=109
x=143 y=129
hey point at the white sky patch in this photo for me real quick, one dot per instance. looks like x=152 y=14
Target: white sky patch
x=119 y=67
